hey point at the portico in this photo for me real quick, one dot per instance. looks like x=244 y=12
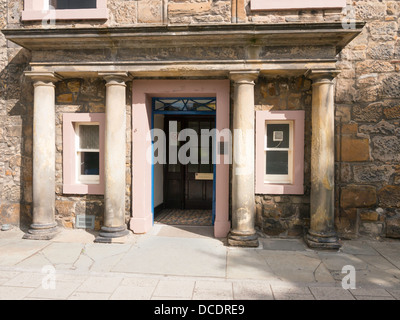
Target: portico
x=194 y=53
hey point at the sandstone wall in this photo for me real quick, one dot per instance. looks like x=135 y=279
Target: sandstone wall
x=367 y=114
x=368 y=134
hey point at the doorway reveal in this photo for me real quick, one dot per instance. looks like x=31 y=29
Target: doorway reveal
x=183 y=185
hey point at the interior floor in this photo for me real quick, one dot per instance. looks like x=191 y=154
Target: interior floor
x=184 y=217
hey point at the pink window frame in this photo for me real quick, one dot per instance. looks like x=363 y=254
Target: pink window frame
x=296 y=4
x=70 y=185
x=33 y=10
x=297 y=187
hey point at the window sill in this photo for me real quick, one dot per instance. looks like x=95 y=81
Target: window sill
x=83 y=189
x=73 y=14
x=297 y=4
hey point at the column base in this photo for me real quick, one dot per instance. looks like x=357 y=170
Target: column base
x=328 y=241
x=112 y=235
x=41 y=232
x=243 y=240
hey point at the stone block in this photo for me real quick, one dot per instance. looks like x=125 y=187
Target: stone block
x=10 y=213
x=369 y=215
x=371 y=173
x=354 y=148
x=389 y=196
x=385 y=31
x=386 y=148
x=393 y=227
x=188 y=8
x=368 y=10
x=150 y=11
x=370 y=113
x=390 y=86
x=65 y=208
x=358 y=196
x=392 y=112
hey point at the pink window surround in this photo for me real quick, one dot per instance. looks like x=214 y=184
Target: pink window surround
x=142 y=92
x=297 y=187
x=38 y=10
x=296 y=4
x=70 y=184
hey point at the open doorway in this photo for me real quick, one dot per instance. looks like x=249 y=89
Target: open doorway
x=184 y=185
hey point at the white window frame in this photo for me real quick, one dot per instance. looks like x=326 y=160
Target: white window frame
x=36 y=10
x=71 y=167
x=280 y=178
x=84 y=178
x=296 y=185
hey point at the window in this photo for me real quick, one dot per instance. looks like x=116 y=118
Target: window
x=279 y=152
x=296 y=4
x=73 y=4
x=83 y=148
x=87 y=152
x=36 y=10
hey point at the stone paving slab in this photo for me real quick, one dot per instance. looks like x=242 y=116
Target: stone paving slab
x=172 y=263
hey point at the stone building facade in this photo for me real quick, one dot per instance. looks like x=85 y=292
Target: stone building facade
x=337 y=66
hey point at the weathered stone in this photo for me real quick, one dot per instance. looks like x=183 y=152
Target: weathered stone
x=386 y=148
x=381 y=51
x=385 y=31
x=393 y=227
x=65 y=98
x=383 y=127
x=371 y=229
x=390 y=86
x=9 y=213
x=354 y=149
x=150 y=11
x=389 y=197
x=373 y=66
x=65 y=208
x=370 y=113
x=358 y=196
x=368 y=173
x=392 y=112
x=74 y=85
x=369 y=215
x=366 y=10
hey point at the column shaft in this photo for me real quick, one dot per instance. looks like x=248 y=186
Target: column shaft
x=322 y=232
x=115 y=160
x=243 y=203
x=44 y=225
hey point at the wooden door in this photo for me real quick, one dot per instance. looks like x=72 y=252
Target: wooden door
x=190 y=186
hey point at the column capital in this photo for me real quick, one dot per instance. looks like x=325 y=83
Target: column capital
x=318 y=76
x=115 y=77
x=43 y=76
x=244 y=76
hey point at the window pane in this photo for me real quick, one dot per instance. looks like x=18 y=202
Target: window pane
x=90 y=163
x=277 y=162
x=89 y=137
x=73 y=4
x=278 y=135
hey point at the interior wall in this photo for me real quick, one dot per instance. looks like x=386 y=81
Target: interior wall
x=158 y=167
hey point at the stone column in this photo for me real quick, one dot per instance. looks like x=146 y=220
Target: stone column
x=322 y=232
x=243 y=203
x=43 y=225
x=114 y=227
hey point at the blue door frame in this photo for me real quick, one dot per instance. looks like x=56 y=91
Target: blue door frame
x=186 y=112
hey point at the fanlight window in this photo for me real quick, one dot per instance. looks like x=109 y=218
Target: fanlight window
x=184 y=104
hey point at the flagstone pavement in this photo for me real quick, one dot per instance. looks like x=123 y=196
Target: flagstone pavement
x=188 y=263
